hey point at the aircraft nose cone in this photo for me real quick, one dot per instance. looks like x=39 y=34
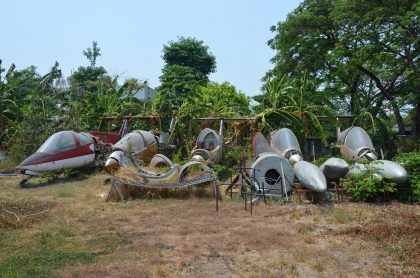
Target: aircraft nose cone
x=391 y=170
x=111 y=163
x=335 y=168
x=310 y=176
x=33 y=159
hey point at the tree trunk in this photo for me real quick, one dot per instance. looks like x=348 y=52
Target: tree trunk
x=415 y=120
x=387 y=94
x=398 y=118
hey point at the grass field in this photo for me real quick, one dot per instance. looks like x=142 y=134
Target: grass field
x=67 y=229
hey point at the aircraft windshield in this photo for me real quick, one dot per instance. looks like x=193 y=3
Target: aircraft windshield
x=358 y=138
x=208 y=139
x=83 y=138
x=59 y=142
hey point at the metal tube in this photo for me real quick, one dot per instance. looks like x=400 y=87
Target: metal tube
x=282 y=181
x=221 y=128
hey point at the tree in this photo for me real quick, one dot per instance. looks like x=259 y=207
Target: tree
x=86 y=79
x=188 y=63
x=210 y=100
x=287 y=102
x=190 y=53
x=92 y=53
x=363 y=52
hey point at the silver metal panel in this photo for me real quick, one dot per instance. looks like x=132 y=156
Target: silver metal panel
x=310 y=176
x=335 y=168
x=284 y=139
x=267 y=171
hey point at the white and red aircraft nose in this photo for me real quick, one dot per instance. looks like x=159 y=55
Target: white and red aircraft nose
x=63 y=150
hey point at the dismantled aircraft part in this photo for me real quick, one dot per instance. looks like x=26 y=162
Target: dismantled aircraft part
x=191 y=165
x=198 y=158
x=391 y=171
x=122 y=189
x=210 y=144
x=115 y=161
x=385 y=169
x=159 y=160
x=63 y=150
x=272 y=174
x=355 y=144
x=286 y=144
x=335 y=168
x=260 y=145
x=171 y=176
x=310 y=176
x=139 y=143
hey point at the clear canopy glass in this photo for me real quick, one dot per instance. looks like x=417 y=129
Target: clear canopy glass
x=58 y=142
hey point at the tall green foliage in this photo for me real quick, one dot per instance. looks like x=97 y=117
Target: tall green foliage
x=188 y=63
x=363 y=53
x=287 y=102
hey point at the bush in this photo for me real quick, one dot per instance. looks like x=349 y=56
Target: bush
x=222 y=171
x=367 y=186
x=411 y=162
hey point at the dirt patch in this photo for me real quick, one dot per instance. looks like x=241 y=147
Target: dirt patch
x=15 y=215
x=397 y=231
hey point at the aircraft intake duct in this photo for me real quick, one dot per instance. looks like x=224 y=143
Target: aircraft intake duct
x=272 y=174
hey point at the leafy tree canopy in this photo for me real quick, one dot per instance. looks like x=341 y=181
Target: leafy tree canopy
x=364 y=53
x=191 y=53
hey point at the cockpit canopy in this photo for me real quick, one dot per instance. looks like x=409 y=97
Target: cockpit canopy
x=63 y=141
x=285 y=141
x=355 y=138
x=208 y=139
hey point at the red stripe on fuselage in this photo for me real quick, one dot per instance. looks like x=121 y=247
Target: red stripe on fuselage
x=76 y=152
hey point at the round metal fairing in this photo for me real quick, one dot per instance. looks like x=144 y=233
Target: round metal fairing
x=272 y=174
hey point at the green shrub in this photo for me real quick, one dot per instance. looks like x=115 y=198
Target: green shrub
x=411 y=162
x=366 y=186
x=222 y=171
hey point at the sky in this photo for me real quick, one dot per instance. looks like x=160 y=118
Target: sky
x=131 y=35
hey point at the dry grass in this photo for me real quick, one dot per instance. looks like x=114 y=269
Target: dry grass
x=84 y=236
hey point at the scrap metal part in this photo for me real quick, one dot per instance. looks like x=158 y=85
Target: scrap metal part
x=386 y=169
x=272 y=173
x=335 y=168
x=284 y=142
x=209 y=147
x=139 y=143
x=355 y=144
x=310 y=176
x=160 y=160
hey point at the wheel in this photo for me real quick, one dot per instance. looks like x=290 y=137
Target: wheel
x=24 y=183
x=107 y=181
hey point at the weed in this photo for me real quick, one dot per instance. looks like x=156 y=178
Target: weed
x=65 y=192
x=304 y=229
x=319 y=266
x=40 y=264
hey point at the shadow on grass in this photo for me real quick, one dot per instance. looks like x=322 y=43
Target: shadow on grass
x=59 y=178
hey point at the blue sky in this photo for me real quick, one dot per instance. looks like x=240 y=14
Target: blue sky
x=131 y=35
